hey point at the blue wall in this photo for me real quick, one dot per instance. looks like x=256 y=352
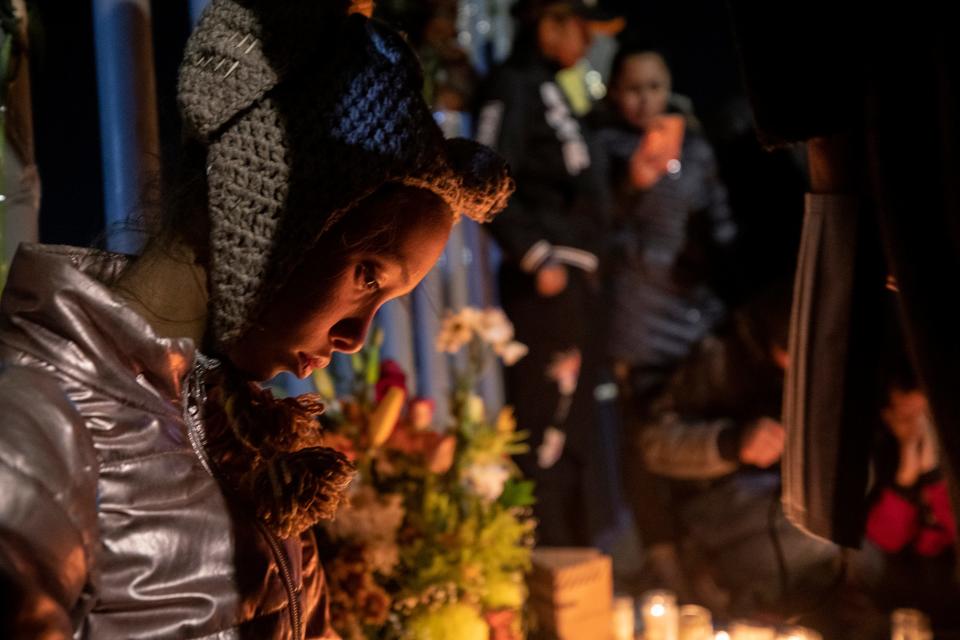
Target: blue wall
x=130 y=152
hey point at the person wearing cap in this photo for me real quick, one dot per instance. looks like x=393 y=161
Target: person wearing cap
x=549 y=236
x=151 y=489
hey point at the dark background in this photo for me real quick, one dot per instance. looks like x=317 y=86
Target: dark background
x=695 y=35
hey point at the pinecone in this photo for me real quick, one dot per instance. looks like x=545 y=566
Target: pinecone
x=293 y=491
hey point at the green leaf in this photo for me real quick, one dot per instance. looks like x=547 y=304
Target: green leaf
x=518 y=493
x=357 y=361
x=323 y=382
x=372 y=372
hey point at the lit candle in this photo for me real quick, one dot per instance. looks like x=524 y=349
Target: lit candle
x=749 y=631
x=910 y=624
x=695 y=623
x=659 y=610
x=624 y=623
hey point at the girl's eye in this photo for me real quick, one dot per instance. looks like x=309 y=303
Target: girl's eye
x=367 y=276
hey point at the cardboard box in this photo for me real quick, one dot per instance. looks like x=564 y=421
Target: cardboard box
x=571 y=593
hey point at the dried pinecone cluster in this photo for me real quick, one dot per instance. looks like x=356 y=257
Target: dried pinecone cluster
x=270 y=452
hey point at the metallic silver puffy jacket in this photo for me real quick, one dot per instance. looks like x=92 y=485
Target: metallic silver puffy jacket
x=109 y=525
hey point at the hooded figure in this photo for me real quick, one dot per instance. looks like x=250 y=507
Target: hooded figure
x=160 y=493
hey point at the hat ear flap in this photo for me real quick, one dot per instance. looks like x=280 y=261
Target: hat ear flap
x=224 y=69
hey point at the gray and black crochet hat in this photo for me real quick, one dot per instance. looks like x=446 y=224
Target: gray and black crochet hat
x=303 y=114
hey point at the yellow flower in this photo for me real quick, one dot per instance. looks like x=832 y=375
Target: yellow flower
x=384 y=418
x=476 y=412
x=506 y=422
x=506 y=592
x=449 y=622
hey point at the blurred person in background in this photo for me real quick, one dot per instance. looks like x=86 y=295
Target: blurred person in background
x=671 y=219
x=714 y=434
x=908 y=558
x=19 y=179
x=549 y=235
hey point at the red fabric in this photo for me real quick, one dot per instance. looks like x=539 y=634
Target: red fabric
x=391 y=375
x=935 y=539
x=895 y=522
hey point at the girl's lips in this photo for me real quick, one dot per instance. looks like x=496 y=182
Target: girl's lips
x=309 y=363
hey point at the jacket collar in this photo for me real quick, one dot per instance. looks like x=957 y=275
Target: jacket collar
x=58 y=307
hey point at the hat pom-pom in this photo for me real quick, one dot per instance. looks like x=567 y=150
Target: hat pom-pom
x=485 y=178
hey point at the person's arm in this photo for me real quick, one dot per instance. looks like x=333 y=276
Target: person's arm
x=689 y=433
x=723 y=229
x=685 y=449
x=28 y=609
x=939 y=529
x=518 y=230
x=675 y=441
x=501 y=124
x=48 y=469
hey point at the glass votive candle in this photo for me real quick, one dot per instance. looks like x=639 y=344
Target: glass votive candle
x=696 y=623
x=798 y=633
x=659 y=611
x=742 y=630
x=624 y=620
x=909 y=624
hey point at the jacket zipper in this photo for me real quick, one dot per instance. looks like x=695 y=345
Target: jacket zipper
x=281 y=556
x=193 y=401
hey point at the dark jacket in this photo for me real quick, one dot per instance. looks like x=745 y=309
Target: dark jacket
x=558 y=209
x=693 y=428
x=666 y=241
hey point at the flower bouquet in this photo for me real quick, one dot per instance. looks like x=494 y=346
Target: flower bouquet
x=436 y=538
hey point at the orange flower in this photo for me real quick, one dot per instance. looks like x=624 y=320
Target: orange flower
x=441 y=458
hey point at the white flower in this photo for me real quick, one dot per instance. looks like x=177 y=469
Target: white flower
x=456 y=330
x=486 y=481
x=493 y=327
x=512 y=352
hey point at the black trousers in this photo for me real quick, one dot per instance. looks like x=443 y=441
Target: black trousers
x=551 y=326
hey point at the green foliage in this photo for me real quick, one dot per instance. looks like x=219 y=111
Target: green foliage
x=464 y=544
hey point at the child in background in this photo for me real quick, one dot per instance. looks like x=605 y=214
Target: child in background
x=912 y=514
x=908 y=558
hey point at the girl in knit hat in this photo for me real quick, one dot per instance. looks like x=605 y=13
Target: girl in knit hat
x=151 y=488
